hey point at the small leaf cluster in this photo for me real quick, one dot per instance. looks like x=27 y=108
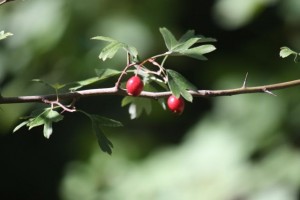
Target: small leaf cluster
x=184 y=46
x=45 y=117
x=285 y=52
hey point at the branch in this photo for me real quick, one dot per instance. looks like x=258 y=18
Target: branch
x=115 y=91
x=4 y=1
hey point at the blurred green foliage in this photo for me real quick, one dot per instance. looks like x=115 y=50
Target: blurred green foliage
x=241 y=147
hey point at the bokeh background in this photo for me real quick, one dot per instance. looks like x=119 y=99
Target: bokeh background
x=242 y=147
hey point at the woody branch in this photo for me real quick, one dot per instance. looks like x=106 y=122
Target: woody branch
x=116 y=91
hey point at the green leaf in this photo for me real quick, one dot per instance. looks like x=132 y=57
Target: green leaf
x=103 y=38
x=203 y=39
x=4 y=35
x=82 y=83
x=47 y=129
x=285 y=52
x=179 y=85
x=98 y=122
x=24 y=123
x=162 y=102
x=112 y=48
x=185 y=45
x=197 y=52
x=131 y=50
x=169 y=38
x=126 y=100
x=175 y=89
x=137 y=106
x=106 y=122
x=46 y=118
x=188 y=35
x=104 y=143
x=102 y=74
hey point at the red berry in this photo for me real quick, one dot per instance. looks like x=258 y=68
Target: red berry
x=176 y=105
x=134 y=86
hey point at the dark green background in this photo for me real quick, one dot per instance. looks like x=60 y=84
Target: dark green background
x=52 y=42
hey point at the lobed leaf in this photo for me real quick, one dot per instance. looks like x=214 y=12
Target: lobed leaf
x=24 y=123
x=112 y=48
x=98 y=122
x=131 y=50
x=137 y=105
x=82 y=83
x=169 y=38
x=104 y=143
x=183 y=46
x=45 y=118
x=179 y=85
x=102 y=74
x=197 y=52
x=285 y=52
x=188 y=35
x=107 y=122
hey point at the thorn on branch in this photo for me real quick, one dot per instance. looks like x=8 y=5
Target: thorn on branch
x=269 y=92
x=245 y=81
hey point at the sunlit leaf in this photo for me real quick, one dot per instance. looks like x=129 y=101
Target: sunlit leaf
x=185 y=45
x=169 y=38
x=197 y=52
x=285 y=52
x=4 y=35
x=47 y=129
x=45 y=117
x=175 y=89
x=131 y=50
x=112 y=48
x=103 y=38
x=188 y=35
x=24 y=123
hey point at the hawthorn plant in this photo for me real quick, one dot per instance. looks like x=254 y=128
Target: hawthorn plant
x=150 y=81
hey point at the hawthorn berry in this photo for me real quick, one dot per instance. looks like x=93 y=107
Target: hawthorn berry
x=134 y=86
x=176 y=105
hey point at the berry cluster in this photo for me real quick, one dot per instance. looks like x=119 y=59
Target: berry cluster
x=135 y=86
